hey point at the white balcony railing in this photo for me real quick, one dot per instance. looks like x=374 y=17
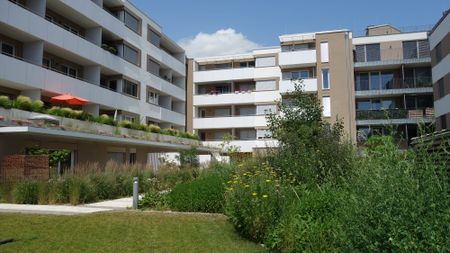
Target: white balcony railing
x=298 y=58
x=310 y=85
x=230 y=122
x=237 y=98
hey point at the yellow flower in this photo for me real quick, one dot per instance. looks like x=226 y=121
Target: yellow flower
x=268 y=180
x=246 y=186
x=265 y=196
x=254 y=194
x=229 y=182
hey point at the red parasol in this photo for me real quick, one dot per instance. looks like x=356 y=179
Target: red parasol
x=69 y=99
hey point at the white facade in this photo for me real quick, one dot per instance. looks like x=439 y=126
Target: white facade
x=87 y=49
x=222 y=106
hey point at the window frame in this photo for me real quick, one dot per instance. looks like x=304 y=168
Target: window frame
x=139 y=21
x=10 y=45
x=328 y=79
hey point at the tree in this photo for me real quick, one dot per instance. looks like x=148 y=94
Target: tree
x=310 y=149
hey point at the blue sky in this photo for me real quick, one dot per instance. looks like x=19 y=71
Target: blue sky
x=262 y=21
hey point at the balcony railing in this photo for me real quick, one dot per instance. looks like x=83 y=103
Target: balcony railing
x=396 y=83
x=395 y=114
x=389 y=54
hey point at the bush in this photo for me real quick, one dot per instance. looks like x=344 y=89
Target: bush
x=80 y=191
x=201 y=195
x=125 y=124
x=153 y=200
x=55 y=110
x=37 y=106
x=170 y=131
x=5 y=102
x=23 y=103
x=26 y=193
x=104 y=186
x=154 y=128
x=105 y=119
x=254 y=200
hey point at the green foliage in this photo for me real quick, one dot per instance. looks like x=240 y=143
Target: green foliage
x=254 y=199
x=154 y=200
x=5 y=102
x=311 y=150
x=105 y=119
x=54 y=156
x=37 y=106
x=154 y=128
x=189 y=158
x=26 y=192
x=205 y=194
x=23 y=103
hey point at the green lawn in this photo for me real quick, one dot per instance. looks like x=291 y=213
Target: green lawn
x=121 y=232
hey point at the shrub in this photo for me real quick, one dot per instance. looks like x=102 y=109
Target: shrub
x=80 y=191
x=154 y=128
x=104 y=186
x=105 y=119
x=170 y=131
x=55 y=110
x=310 y=223
x=23 y=103
x=154 y=200
x=5 y=102
x=201 y=195
x=68 y=112
x=254 y=200
x=26 y=192
x=37 y=106
x=125 y=124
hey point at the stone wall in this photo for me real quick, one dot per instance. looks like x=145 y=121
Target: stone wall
x=20 y=167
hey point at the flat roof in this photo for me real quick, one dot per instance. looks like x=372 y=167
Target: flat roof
x=80 y=136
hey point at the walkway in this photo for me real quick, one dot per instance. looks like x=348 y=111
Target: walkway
x=104 y=206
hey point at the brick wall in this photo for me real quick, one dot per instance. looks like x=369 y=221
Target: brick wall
x=19 y=167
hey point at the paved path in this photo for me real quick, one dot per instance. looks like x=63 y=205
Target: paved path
x=109 y=205
x=116 y=204
x=50 y=209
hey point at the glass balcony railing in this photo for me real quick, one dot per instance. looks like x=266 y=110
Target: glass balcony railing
x=395 y=114
x=367 y=85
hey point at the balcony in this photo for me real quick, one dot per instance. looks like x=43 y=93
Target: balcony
x=246 y=145
x=394 y=116
x=310 y=85
x=396 y=86
x=296 y=59
x=230 y=122
x=247 y=97
x=391 y=57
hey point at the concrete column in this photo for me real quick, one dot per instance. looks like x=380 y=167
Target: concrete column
x=33 y=94
x=92 y=74
x=98 y=2
x=37 y=6
x=34 y=51
x=94 y=35
x=92 y=109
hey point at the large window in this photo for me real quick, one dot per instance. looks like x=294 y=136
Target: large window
x=131 y=55
x=367 y=53
x=153 y=37
x=132 y=22
x=374 y=81
x=249 y=134
x=416 y=49
x=69 y=71
x=152 y=97
x=375 y=104
x=152 y=67
x=130 y=88
x=325 y=79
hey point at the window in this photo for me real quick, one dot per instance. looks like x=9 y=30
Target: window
x=8 y=49
x=266 y=85
x=265 y=109
x=247 y=64
x=363 y=105
x=153 y=37
x=324 y=51
x=46 y=63
x=153 y=67
x=247 y=134
x=375 y=81
x=265 y=61
x=66 y=70
x=220 y=134
x=441 y=88
x=222 y=112
x=409 y=49
x=132 y=22
x=438 y=52
x=110 y=84
x=223 y=65
x=362 y=81
x=128 y=118
x=152 y=97
x=263 y=134
x=133 y=158
x=325 y=79
x=130 y=88
x=297 y=47
x=326 y=103
x=131 y=55
x=387 y=80
x=367 y=53
x=247 y=111
x=443 y=120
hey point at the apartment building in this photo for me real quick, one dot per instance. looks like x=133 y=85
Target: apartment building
x=105 y=51
x=393 y=86
x=374 y=84
x=440 y=60
x=232 y=94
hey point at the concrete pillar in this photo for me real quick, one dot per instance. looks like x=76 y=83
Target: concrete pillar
x=92 y=74
x=98 y=2
x=119 y=85
x=33 y=94
x=94 y=35
x=92 y=109
x=37 y=6
x=34 y=51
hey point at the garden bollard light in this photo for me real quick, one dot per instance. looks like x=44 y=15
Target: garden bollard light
x=135 y=192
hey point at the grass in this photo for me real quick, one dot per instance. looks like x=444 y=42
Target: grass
x=122 y=232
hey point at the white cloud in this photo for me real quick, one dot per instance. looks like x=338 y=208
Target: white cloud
x=221 y=42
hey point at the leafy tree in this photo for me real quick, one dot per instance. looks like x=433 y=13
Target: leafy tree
x=189 y=158
x=311 y=150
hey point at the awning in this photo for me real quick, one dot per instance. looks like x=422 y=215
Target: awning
x=69 y=99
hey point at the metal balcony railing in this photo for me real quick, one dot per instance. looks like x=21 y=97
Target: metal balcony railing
x=418 y=113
